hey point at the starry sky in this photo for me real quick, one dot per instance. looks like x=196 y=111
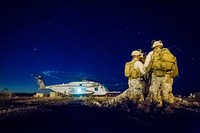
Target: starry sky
x=71 y=40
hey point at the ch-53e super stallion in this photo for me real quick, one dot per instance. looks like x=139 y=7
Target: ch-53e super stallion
x=78 y=88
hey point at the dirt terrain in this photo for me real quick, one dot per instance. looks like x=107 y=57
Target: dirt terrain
x=75 y=115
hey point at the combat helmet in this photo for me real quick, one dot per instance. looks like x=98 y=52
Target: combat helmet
x=156 y=43
x=136 y=52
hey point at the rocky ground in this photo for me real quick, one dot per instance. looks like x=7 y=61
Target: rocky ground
x=74 y=115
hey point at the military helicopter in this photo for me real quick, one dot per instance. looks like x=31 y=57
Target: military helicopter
x=78 y=88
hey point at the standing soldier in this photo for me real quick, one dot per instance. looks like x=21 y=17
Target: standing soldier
x=162 y=66
x=134 y=70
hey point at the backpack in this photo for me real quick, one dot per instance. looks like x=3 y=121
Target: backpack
x=130 y=71
x=174 y=71
x=164 y=60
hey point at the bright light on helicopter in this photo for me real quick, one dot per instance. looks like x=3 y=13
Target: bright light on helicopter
x=79 y=90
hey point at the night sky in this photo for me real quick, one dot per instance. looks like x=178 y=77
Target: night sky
x=92 y=39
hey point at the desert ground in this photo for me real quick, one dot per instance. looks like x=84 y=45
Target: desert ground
x=79 y=115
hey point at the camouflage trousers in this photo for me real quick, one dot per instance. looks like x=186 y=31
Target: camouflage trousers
x=160 y=90
x=134 y=93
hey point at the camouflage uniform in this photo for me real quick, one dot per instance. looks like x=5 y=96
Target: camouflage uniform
x=160 y=89
x=136 y=87
x=133 y=93
x=135 y=90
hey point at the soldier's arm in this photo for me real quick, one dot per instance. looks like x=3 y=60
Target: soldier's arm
x=141 y=67
x=148 y=59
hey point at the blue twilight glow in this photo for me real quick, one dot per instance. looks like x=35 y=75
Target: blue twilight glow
x=68 y=41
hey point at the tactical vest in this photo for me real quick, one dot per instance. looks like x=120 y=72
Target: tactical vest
x=130 y=71
x=163 y=61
